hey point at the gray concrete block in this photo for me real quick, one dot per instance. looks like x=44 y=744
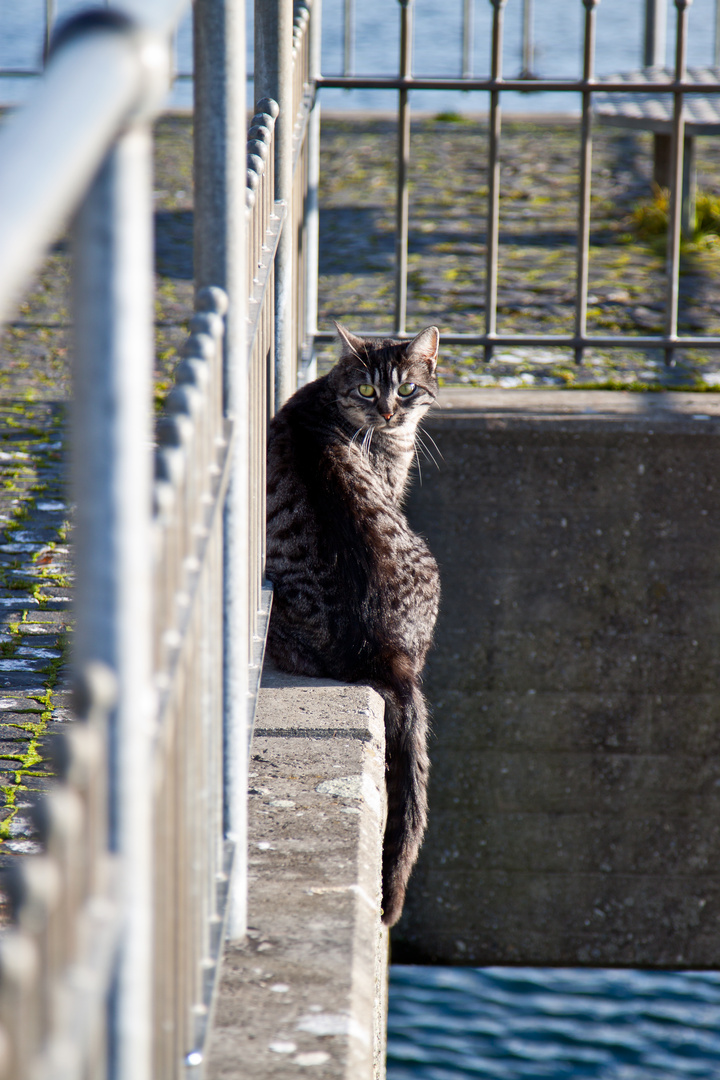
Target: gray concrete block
x=575 y=783
x=306 y=993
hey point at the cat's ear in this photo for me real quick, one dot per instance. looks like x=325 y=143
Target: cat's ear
x=425 y=347
x=354 y=344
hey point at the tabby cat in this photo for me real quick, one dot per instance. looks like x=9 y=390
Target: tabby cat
x=356 y=592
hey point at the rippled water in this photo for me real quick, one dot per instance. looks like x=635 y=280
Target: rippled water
x=507 y=1023
x=437 y=47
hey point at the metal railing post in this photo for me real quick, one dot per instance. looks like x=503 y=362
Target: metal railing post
x=49 y=24
x=654 y=47
x=112 y=472
x=493 y=213
x=655 y=33
x=349 y=37
x=585 y=182
x=676 y=187
x=274 y=79
x=468 y=37
x=312 y=210
x=527 y=62
x=403 y=168
x=220 y=259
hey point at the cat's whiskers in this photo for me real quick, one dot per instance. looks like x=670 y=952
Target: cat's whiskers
x=417 y=458
x=367 y=440
x=361 y=428
x=425 y=449
x=429 y=436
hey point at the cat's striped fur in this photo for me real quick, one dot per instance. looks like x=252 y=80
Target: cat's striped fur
x=356 y=591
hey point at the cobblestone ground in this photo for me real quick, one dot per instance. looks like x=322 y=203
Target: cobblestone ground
x=538 y=226
x=448 y=199
x=35 y=519
x=35 y=580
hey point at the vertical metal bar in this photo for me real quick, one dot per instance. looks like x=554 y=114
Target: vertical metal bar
x=312 y=212
x=403 y=168
x=585 y=183
x=493 y=221
x=221 y=259
x=113 y=316
x=270 y=345
x=654 y=48
x=274 y=79
x=676 y=187
x=655 y=40
x=468 y=38
x=49 y=24
x=348 y=37
x=689 y=188
x=527 y=62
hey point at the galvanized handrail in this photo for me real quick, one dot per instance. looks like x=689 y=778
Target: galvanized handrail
x=87 y=125
x=265 y=218
x=191 y=860
x=306 y=174
x=58 y=959
x=96 y=82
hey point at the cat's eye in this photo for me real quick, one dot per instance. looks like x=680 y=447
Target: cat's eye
x=366 y=390
x=406 y=389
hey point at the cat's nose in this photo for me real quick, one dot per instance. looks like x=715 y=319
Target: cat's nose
x=386 y=415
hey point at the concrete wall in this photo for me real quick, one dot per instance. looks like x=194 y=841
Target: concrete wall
x=575 y=793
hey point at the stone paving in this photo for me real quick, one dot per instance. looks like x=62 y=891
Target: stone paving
x=448 y=194
x=35 y=580
x=537 y=260
x=35 y=563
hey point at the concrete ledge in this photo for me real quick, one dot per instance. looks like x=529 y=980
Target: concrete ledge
x=306 y=994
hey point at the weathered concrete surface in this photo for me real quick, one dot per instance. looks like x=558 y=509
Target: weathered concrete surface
x=575 y=790
x=306 y=995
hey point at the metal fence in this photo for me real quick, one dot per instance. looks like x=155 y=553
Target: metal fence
x=110 y=965
x=676 y=84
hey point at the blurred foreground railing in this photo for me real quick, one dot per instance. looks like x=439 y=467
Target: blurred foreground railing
x=111 y=963
x=191 y=859
x=287 y=64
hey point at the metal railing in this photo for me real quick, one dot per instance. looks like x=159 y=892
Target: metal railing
x=306 y=176
x=265 y=216
x=287 y=64
x=190 y=857
x=57 y=960
x=678 y=84
x=118 y=927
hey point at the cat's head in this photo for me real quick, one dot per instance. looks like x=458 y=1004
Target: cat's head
x=386 y=385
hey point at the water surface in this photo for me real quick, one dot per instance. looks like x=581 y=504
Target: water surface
x=558 y=29
x=550 y=1023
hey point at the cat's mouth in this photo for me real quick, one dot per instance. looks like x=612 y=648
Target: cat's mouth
x=386 y=424
x=397 y=422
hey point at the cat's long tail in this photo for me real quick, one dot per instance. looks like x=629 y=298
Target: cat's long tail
x=406 y=772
